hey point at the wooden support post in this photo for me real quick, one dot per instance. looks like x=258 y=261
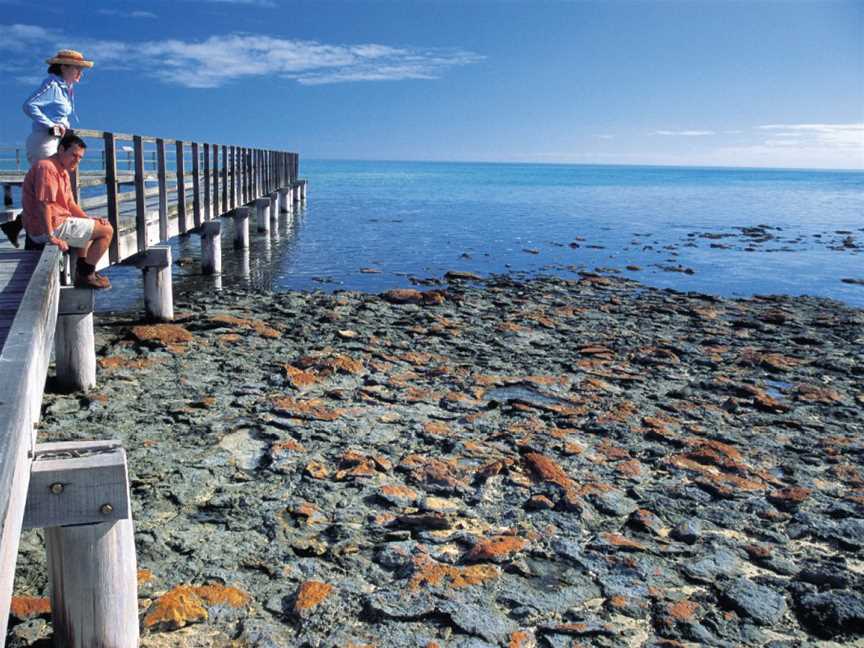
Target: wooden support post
x=182 y=225
x=274 y=206
x=241 y=227
x=224 y=178
x=304 y=184
x=113 y=205
x=285 y=203
x=74 y=343
x=233 y=184
x=211 y=247
x=208 y=213
x=163 y=189
x=158 y=293
x=196 y=185
x=262 y=214
x=79 y=491
x=216 y=211
x=140 y=205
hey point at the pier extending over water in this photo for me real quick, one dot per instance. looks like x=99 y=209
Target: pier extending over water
x=150 y=189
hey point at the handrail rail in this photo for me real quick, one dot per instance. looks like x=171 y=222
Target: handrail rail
x=185 y=183
x=23 y=365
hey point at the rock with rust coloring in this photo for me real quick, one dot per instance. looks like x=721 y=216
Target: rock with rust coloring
x=496 y=549
x=309 y=596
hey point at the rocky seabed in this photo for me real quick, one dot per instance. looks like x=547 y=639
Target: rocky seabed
x=549 y=462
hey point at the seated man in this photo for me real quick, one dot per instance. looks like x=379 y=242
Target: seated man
x=51 y=214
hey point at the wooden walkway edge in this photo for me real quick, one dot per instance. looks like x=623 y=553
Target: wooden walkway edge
x=23 y=367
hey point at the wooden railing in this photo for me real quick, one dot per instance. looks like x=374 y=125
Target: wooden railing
x=152 y=188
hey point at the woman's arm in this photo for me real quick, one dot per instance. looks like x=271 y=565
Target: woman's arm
x=44 y=95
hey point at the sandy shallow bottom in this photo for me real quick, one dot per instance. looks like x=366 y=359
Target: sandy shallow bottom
x=492 y=463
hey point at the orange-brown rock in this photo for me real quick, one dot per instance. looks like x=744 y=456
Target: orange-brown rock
x=163 y=334
x=789 y=499
x=429 y=573
x=411 y=296
x=144 y=576
x=683 y=611
x=521 y=639
x=281 y=448
x=316 y=470
x=314 y=409
x=310 y=595
x=630 y=468
x=27 y=607
x=496 y=549
x=547 y=470
x=820 y=395
x=299 y=378
x=622 y=542
x=259 y=327
x=185 y=604
x=119 y=362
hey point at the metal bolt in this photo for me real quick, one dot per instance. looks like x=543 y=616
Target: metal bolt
x=56 y=488
x=106 y=509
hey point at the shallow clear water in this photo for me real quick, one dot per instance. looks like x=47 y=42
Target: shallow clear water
x=417 y=219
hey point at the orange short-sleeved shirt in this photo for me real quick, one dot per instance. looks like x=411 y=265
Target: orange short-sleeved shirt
x=48 y=183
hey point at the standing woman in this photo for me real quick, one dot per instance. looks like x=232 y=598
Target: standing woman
x=50 y=108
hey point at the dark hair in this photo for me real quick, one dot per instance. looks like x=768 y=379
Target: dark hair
x=71 y=139
x=55 y=68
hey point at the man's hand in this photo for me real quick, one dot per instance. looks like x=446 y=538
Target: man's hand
x=102 y=221
x=63 y=245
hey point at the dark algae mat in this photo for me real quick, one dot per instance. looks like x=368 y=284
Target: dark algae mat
x=493 y=462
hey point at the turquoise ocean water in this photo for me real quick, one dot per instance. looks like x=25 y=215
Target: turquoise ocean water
x=376 y=225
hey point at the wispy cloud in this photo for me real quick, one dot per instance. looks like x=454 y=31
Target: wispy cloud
x=824 y=135
x=267 y=4
x=218 y=60
x=604 y=136
x=127 y=14
x=684 y=133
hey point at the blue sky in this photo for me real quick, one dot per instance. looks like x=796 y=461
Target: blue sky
x=705 y=82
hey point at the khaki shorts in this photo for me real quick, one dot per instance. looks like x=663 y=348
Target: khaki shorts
x=77 y=232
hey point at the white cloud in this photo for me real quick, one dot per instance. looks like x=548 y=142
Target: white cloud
x=219 y=60
x=127 y=14
x=684 y=133
x=604 y=136
x=819 y=135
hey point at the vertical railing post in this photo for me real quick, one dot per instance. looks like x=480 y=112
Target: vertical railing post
x=216 y=211
x=111 y=195
x=233 y=167
x=196 y=186
x=140 y=197
x=208 y=213
x=225 y=178
x=181 y=188
x=163 y=189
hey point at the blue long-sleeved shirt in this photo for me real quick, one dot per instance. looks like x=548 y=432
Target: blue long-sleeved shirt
x=50 y=104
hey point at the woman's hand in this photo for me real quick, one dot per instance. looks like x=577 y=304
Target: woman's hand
x=63 y=245
x=59 y=129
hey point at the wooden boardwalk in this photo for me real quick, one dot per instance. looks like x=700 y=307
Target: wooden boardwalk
x=162 y=188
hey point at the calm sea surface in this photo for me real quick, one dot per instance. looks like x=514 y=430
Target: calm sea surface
x=376 y=225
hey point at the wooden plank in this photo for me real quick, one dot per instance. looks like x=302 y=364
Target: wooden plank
x=74 y=490
x=208 y=213
x=163 y=190
x=113 y=202
x=181 y=188
x=196 y=186
x=140 y=213
x=24 y=359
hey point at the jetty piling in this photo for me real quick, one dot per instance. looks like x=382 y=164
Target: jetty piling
x=79 y=491
x=74 y=341
x=262 y=214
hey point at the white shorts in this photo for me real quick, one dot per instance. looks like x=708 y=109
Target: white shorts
x=41 y=144
x=77 y=232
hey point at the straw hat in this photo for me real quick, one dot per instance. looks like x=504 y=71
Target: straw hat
x=70 y=57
